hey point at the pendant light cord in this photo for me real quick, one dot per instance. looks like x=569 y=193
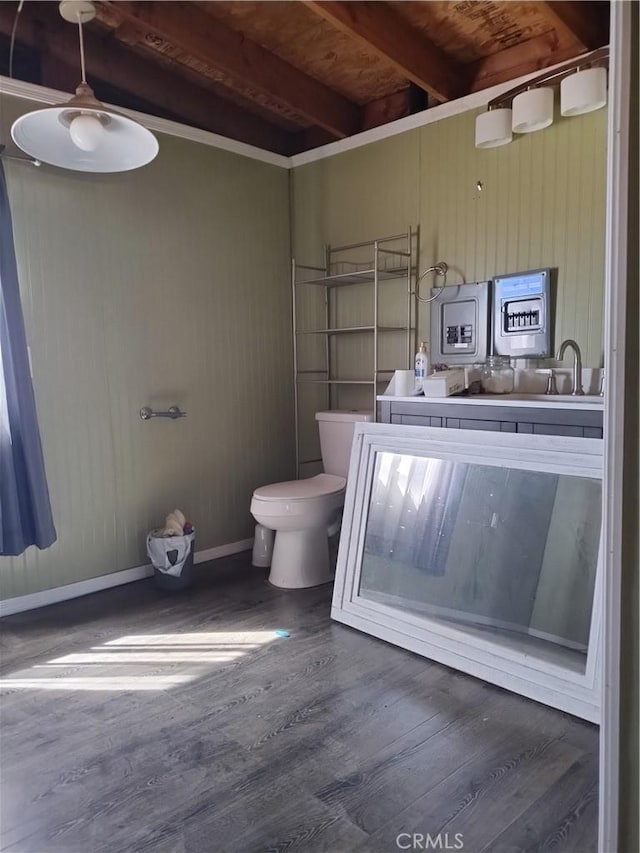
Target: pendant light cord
x=82 y=68
x=12 y=43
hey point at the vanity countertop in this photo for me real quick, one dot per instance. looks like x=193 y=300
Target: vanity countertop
x=590 y=402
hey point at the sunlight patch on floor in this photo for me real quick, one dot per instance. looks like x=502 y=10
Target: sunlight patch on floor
x=245 y=639
x=200 y=650
x=164 y=656
x=96 y=682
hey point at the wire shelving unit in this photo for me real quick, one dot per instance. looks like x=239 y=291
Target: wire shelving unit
x=385 y=259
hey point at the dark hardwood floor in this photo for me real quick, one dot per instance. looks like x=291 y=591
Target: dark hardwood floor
x=133 y=720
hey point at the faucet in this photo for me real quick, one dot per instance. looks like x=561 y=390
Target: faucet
x=576 y=391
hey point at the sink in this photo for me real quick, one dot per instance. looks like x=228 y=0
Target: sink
x=587 y=399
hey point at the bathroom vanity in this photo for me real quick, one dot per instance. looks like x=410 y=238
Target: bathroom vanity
x=530 y=414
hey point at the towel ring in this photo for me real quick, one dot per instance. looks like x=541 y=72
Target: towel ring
x=439 y=269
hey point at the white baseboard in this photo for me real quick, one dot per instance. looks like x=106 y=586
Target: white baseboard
x=74 y=590
x=223 y=550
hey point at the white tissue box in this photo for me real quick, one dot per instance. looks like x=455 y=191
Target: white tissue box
x=444 y=383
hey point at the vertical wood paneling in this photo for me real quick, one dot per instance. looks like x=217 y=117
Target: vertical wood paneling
x=542 y=204
x=166 y=285
x=171 y=285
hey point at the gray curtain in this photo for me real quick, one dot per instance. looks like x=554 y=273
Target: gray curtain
x=25 y=510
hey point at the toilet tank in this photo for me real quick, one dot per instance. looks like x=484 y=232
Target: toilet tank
x=336 y=435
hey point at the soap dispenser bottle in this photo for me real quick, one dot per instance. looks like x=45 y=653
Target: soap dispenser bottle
x=421 y=365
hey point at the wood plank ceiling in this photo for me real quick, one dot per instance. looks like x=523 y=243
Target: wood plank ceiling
x=289 y=76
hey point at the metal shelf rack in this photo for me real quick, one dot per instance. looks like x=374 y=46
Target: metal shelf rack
x=387 y=259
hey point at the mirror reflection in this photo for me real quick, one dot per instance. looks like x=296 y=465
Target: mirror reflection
x=501 y=551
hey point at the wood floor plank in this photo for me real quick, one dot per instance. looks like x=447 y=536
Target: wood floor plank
x=406 y=769
x=495 y=786
x=137 y=772
x=305 y=825
x=564 y=818
x=132 y=720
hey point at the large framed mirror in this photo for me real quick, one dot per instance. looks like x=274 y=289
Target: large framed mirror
x=479 y=550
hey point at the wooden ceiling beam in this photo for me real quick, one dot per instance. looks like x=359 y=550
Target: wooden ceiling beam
x=578 y=20
x=119 y=67
x=208 y=40
x=374 y=114
x=386 y=109
x=376 y=25
x=533 y=55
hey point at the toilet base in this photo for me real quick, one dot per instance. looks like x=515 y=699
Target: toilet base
x=300 y=559
x=262 y=553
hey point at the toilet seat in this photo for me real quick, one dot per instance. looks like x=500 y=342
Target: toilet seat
x=319 y=486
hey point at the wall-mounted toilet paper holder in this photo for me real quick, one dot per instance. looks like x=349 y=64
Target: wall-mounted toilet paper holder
x=173 y=412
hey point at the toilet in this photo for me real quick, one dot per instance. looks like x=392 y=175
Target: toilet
x=301 y=511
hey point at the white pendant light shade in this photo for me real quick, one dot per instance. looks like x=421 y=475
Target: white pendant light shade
x=44 y=135
x=493 y=128
x=82 y=134
x=533 y=110
x=583 y=92
x=85 y=136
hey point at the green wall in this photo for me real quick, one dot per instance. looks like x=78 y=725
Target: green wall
x=171 y=285
x=167 y=285
x=542 y=204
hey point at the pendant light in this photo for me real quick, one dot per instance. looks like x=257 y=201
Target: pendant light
x=82 y=134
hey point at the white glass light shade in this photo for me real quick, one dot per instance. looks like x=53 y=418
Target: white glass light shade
x=45 y=134
x=493 y=128
x=532 y=110
x=583 y=92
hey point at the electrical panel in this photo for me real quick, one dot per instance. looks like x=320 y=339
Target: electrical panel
x=460 y=323
x=522 y=315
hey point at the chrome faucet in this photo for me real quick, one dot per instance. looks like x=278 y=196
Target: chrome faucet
x=576 y=391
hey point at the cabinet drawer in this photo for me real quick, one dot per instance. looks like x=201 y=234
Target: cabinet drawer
x=593 y=432
x=411 y=420
x=558 y=429
x=466 y=423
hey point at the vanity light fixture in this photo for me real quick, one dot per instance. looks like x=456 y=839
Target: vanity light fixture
x=532 y=110
x=529 y=107
x=493 y=128
x=583 y=92
x=83 y=134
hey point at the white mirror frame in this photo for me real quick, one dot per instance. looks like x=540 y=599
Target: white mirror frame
x=544 y=681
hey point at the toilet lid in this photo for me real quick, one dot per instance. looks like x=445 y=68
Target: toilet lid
x=292 y=490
